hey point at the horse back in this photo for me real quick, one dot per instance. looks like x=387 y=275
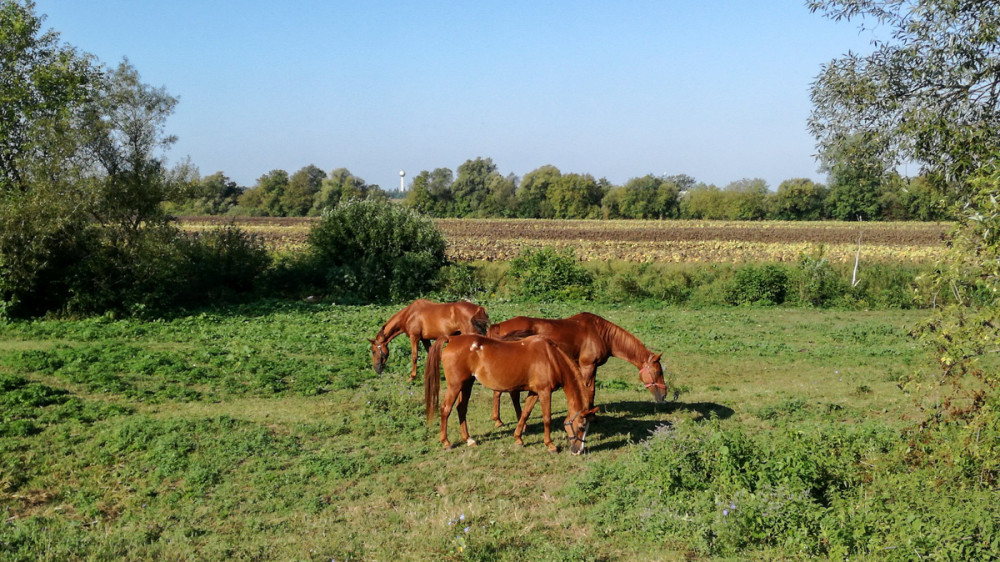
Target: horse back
x=435 y=320
x=574 y=335
x=528 y=364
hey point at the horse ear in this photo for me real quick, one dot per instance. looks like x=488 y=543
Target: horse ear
x=371 y=342
x=657 y=357
x=591 y=411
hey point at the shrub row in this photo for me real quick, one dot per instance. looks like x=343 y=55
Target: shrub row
x=549 y=274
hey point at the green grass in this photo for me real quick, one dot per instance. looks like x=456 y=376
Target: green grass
x=261 y=432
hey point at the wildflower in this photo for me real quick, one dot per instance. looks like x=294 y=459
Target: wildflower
x=461 y=517
x=467 y=529
x=725 y=512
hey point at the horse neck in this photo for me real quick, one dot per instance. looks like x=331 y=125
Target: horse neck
x=623 y=344
x=395 y=325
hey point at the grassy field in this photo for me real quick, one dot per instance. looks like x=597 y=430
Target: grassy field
x=261 y=432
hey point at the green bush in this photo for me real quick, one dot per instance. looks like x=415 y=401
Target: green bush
x=372 y=251
x=224 y=262
x=764 y=284
x=459 y=281
x=882 y=286
x=550 y=274
x=817 y=282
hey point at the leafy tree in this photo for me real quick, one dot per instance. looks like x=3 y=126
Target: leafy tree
x=419 y=197
x=501 y=196
x=930 y=95
x=128 y=128
x=575 y=196
x=922 y=201
x=668 y=195
x=80 y=173
x=703 y=201
x=470 y=187
x=83 y=181
x=648 y=197
x=265 y=198
x=532 y=194
x=798 y=199
x=46 y=91
x=856 y=175
x=211 y=195
x=430 y=193
x=611 y=203
x=300 y=193
x=342 y=185
x=747 y=199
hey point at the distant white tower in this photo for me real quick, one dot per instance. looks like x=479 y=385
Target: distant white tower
x=402 y=174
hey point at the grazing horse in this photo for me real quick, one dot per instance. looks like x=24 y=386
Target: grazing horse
x=589 y=340
x=534 y=364
x=423 y=321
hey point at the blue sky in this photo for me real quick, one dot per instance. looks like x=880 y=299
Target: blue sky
x=717 y=90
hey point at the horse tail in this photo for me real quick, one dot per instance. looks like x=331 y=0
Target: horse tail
x=432 y=377
x=481 y=321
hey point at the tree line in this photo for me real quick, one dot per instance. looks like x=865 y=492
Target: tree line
x=478 y=189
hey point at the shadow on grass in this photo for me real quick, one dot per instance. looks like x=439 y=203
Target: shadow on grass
x=616 y=425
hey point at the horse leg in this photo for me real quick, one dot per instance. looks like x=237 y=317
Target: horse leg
x=547 y=420
x=496 y=409
x=522 y=420
x=463 y=407
x=414 y=351
x=450 y=395
x=515 y=400
x=588 y=375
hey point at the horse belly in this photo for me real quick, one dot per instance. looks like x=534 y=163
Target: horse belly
x=492 y=382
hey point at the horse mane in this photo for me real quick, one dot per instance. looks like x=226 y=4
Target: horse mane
x=514 y=336
x=394 y=323
x=624 y=344
x=480 y=320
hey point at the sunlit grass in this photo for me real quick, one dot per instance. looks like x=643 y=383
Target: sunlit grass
x=262 y=466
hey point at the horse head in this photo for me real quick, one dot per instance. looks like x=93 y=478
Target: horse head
x=651 y=375
x=380 y=353
x=576 y=429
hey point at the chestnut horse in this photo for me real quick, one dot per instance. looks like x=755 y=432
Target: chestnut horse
x=534 y=364
x=423 y=321
x=589 y=340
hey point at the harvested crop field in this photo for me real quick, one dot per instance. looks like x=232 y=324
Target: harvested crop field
x=645 y=241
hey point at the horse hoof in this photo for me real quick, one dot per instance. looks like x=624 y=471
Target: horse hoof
x=471 y=442
x=553 y=449
x=519 y=443
x=446 y=445
x=498 y=424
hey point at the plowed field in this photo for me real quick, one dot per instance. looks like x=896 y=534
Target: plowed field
x=669 y=241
